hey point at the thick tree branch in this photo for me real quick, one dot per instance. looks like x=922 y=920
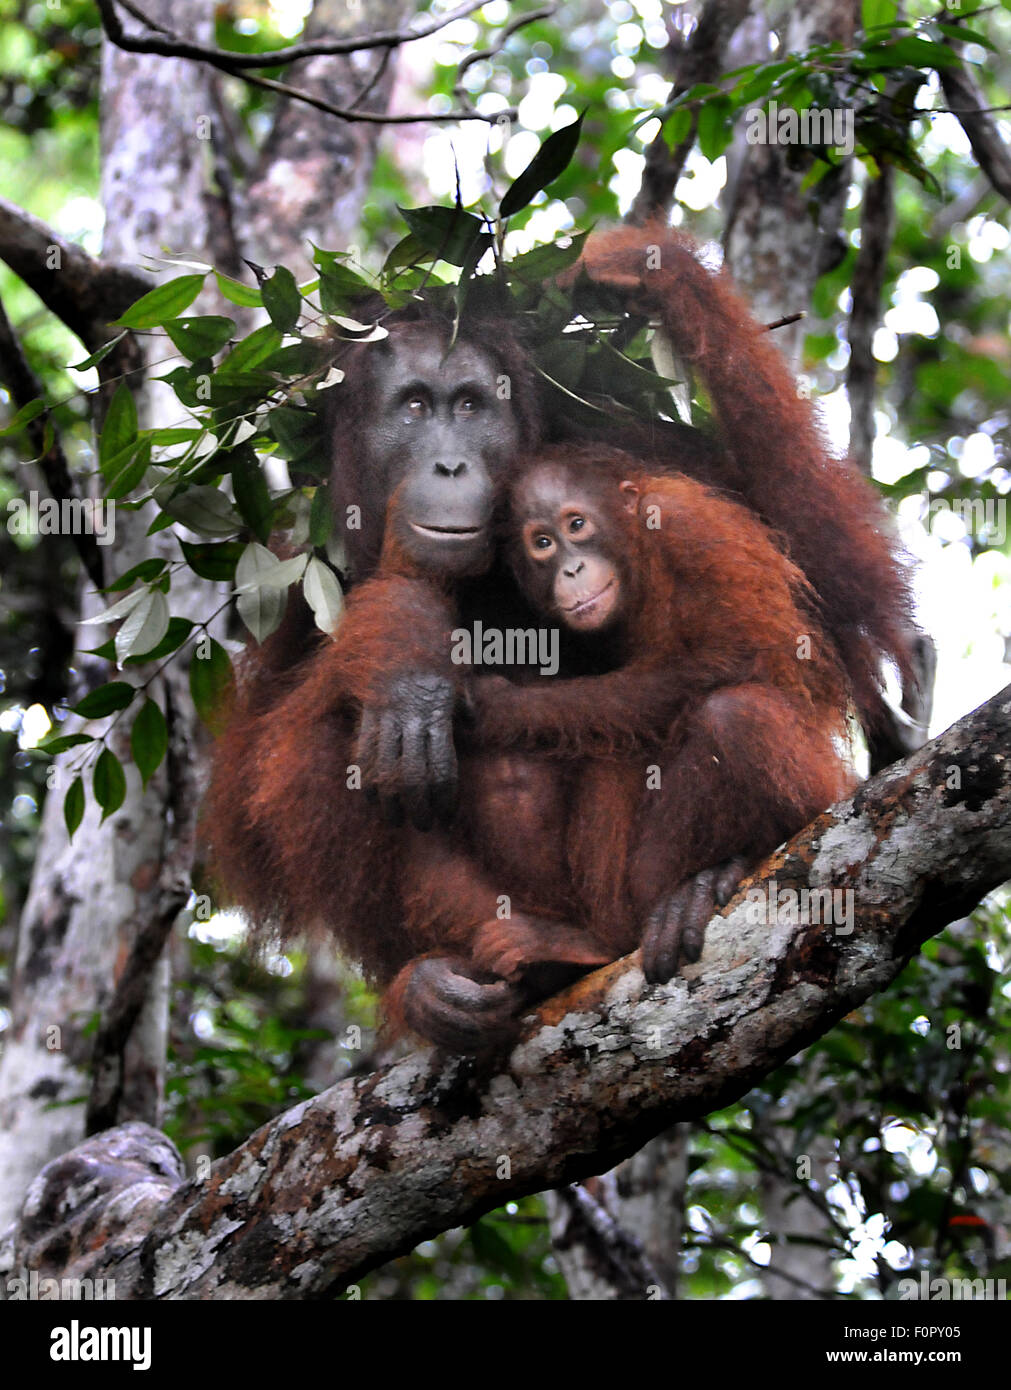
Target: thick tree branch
x=85 y=293
x=966 y=101
x=162 y=41
x=367 y=1169
x=25 y=386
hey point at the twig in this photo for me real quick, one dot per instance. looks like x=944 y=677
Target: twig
x=170 y=45
x=785 y=321
x=483 y=54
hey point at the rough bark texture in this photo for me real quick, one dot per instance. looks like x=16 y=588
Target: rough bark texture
x=600 y=1257
x=364 y=1171
x=702 y=58
x=99 y=909
x=314 y=171
x=778 y=238
x=91 y=898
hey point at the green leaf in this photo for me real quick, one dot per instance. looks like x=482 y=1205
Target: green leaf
x=61 y=742
x=126 y=471
x=73 y=806
x=210 y=680
x=339 y=287
x=551 y=160
x=97 y=355
x=564 y=359
x=178 y=631
x=299 y=359
x=259 y=568
x=174 y=434
x=766 y=76
x=545 y=262
x=247 y=296
x=337 y=261
x=876 y=12
x=25 y=416
x=323 y=594
x=119 y=609
x=119 y=430
x=296 y=431
x=204 y=509
x=611 y=372
x=408 y=251
x=957 y=31
x=107 y=699
x=468 y=274
x=202 y=336
x=262 y=581
x=677 y=127
x=148 y=740
x=251 y=351
x=262 y=610
x=109 y=784
x=716 y=128
x=281 y=299
x=908 y=52
x=213 y=560
x=143 y=627
x=252 y=496
x=162 y=303
x=449 y=232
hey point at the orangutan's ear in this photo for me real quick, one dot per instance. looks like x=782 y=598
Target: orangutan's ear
x=630 y=497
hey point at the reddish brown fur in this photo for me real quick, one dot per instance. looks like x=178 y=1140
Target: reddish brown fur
x=297 y=849
x=710 y=690
x=775 y=455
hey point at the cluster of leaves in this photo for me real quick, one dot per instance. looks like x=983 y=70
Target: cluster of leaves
x=913 y=1088
x=505 y=1256
x=891 y=56
x=239 y=1052
x=49 y=64
x=253 y=397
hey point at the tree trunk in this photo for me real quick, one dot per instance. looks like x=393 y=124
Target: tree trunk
x=100 y=907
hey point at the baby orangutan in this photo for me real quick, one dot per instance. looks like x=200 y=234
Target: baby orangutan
x=620 y=808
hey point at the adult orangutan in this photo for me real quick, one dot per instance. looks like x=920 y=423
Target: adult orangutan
x=589 y=806
x=769 y=453
x=448 y=425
